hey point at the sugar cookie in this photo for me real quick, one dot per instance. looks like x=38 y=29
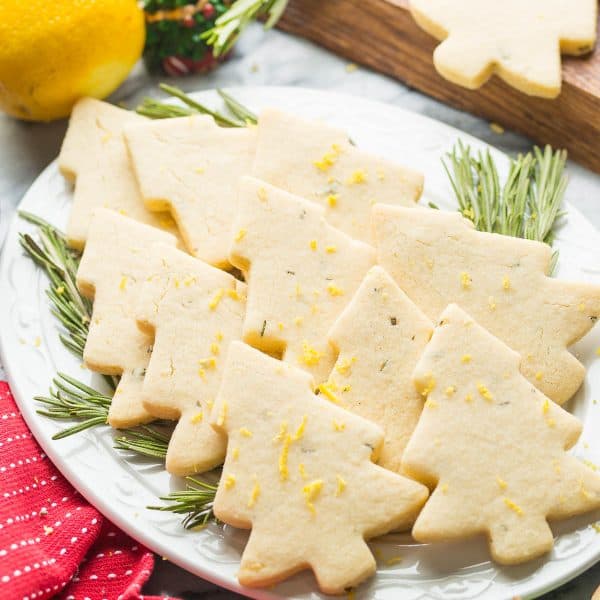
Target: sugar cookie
x=298 y=472
x=437 y=258
x=94 y=156
x=113 y=267
x=493 y=446
x=192 y=311
x=191 y=167
x=301 y=273
x=379 y=337
x=316 y=161
x=519 y=41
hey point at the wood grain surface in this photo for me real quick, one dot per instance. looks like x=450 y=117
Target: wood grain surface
x=382 y=34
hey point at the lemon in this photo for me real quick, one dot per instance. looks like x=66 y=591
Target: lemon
x=53 y=52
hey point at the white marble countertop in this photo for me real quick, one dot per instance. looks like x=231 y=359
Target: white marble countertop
x=273 y=59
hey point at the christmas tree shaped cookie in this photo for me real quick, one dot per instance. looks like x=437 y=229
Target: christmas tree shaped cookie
x=299 y=472
x=191 y=167
x=192 y=311
x=437 y=258
x=94 y=156
x=379 y=337
x=115 y=263
x=493 y=446
x=519 y=41
x=301 y=273
x=323 y=166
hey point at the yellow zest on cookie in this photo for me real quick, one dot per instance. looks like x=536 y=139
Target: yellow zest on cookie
x=428 y=386
x=357 y=177
x=222 y=415
x=539 y=375
x=229 y=481
x=240 y=235
x=313 y=245
x=337 y=426
x=283 y=458
x=343 y=367
x=444 y=488
x=262 y=194
x=327 y=391
x=311 y=492
x=208 y=363
x=503 y=485
x=328 y=159
x=254 y=495
x=123 y=284
x=298 y=321
x=334 y=290
x=302 y=470
x=484 y=392
x=235 y=453
x=465 y=358
x=214 y=302
x=331 y=249
x=332 y=200
x=492 y=303
x=430 y=403
x=245 y=432
x=301 y=429
x=283 y=429
x=450 y=390
x=465 y=281
x=341 y=485
x=505 y=283
x=197 y=418
x=310 y=356
x=513 y=506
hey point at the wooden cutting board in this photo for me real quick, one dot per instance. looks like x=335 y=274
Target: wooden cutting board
x=382 y=34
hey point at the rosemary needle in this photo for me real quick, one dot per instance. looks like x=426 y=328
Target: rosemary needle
x=527 y=206
x=241 y=13
x=195 y=502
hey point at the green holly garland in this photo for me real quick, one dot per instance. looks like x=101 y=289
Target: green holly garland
x=185 y=37
x=174 y=42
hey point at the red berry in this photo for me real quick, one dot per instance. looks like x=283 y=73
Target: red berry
x=208 y=11
x=188 y=21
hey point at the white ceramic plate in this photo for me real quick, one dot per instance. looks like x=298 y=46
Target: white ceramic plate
x=122 y=489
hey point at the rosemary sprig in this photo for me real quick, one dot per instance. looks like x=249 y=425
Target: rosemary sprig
x=195 y=502
x=230 y=24
x=238 y=109
x=162 y=110
x=60 y=265
x=70 y=399
x=527 y=206
x=145 y=440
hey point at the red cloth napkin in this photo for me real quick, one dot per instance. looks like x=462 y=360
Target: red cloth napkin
x=52 y=542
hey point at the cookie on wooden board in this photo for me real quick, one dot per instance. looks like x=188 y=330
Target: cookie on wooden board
x=113 y=268
x=519 y=41
x=437 y=258
x=301 y=273
x=299 y=472
x=94 y=157
x=192 y=311
x=493 y=447
x=191 y=167
x=379 y=338
x=316 y=161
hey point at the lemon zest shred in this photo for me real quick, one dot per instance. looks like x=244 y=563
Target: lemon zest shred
x=311 y=492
